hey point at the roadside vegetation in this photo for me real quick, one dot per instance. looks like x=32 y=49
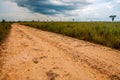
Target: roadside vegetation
x=4 y=30
x=104 y=33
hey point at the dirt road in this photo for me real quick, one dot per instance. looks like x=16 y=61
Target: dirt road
x=31 y=54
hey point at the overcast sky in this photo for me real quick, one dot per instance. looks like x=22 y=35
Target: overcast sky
x=80 y=10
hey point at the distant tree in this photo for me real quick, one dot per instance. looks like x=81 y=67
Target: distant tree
x=33 y=21
x=19 y=21
x=73 y=20
x=3 y=21
x=112 y=17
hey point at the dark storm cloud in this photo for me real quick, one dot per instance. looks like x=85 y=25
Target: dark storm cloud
x=51 y=7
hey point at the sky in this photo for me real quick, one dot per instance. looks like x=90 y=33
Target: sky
x=59 y=10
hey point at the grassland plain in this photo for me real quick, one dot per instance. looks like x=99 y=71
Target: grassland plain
x=4 y=30
x=104 y=33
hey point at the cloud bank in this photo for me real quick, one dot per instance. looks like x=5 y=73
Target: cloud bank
x=51 y=7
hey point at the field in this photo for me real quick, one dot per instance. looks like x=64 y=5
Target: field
x=104 y=33
x=4 y=30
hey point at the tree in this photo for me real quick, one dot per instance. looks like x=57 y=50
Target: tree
x=33 y=21
x=3 y=21
x=73 y=20
x=112 y=17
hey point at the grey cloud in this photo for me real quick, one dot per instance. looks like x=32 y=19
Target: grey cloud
x=49 y=8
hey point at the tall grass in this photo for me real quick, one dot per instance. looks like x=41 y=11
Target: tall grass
x=105 y=33
x=4 y=30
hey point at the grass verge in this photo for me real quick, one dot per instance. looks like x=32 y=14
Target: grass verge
x=4 y=30
x=104 y=33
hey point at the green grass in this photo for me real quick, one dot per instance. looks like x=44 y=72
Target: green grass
x=105 y=33
x=4 y=30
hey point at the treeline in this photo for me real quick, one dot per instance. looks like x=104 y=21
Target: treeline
x=104 y=33
x=4 y=29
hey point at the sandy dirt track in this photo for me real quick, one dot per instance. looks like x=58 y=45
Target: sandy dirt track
x=31 y=54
